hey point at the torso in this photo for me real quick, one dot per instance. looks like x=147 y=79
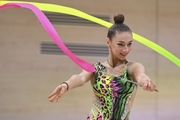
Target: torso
x=113 y=93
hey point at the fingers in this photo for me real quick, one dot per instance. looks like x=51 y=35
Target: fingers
x=149 y=86
x=156 y=90
x=54 y=92
x=54 y=95
x=57 y=93
x=54 y=98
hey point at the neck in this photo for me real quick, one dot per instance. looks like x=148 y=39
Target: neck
x=114 y=64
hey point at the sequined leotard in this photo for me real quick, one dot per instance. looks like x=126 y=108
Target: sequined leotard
x=113 y=95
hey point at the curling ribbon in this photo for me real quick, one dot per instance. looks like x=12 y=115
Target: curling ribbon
x=52 y=33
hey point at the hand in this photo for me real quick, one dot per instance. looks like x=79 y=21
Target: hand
x=58 y=93
x=149 y=86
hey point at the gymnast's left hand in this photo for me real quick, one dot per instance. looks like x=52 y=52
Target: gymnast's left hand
x=149 y=85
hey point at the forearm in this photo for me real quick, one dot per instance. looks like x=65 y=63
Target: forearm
x=141 y=78
x=75 y=81
x=137 y=72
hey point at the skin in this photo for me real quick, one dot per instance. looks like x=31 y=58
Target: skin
x=119 y=48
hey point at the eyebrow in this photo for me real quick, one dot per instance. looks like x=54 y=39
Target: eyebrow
x=123 y=41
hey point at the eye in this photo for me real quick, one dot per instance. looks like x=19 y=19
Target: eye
x=129 y=44
x=120 y=44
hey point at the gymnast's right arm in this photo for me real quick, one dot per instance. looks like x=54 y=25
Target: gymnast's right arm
x=74 y=81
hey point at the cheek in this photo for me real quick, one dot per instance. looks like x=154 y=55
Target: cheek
x=117 y=50
x=130 y=48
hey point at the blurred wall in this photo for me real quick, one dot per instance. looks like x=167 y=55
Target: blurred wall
x=28 y=77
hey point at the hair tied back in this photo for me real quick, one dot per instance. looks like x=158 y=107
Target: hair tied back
x=119 y=19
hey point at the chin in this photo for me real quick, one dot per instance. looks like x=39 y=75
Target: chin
x=122 y=58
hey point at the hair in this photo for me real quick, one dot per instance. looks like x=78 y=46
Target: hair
x=118 y=26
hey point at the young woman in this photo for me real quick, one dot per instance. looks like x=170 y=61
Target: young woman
x=114 y=81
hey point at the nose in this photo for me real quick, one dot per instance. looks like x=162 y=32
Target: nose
x=126 y=49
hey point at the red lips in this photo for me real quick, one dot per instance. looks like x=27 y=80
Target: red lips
x=123 y=54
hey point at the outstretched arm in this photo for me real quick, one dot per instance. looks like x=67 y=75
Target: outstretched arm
x=73 y=82
x=137 y=71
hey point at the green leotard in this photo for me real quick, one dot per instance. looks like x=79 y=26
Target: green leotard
x=113 y=95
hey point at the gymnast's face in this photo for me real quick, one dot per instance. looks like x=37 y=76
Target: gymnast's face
x=120 y=45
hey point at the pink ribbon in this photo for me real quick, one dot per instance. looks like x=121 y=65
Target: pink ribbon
x=52 y=33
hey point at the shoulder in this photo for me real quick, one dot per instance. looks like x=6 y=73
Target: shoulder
x=135 y=67
x=132 y=65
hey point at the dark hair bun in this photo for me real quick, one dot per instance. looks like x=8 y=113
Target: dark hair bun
x=119 y=18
